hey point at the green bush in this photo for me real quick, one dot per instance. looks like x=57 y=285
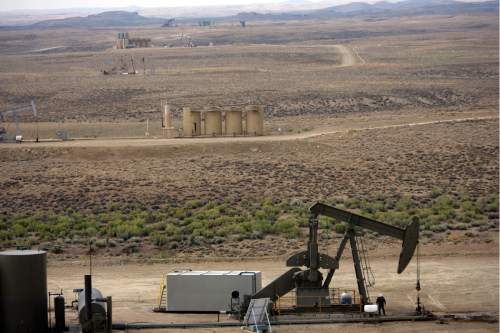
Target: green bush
x=439 y=227
x=101 y=243
x=287 y=227
x=435 y=193
x=404 y=203
x=340 y=228
x=262 y=226
x=18 y=230
x=159 y=239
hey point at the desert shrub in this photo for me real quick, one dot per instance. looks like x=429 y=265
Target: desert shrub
x=135 y=239
x=130 y=248
x=427 y=234
x=340 y=228
x=492 y=204
x=287 y=227
x=439 y=227
x=262 y=226
x=101 y=243
x=443 y=202
x=172 y=230
x=471 y=234
x=125 y=231
x=18 y=230
x=403 y=204
x=4 y=235
x=325 y=222
x=206 y=214
x=352 y=203
x=435 y=192
x=159 y=239
x=458 y=226
x=397 y=218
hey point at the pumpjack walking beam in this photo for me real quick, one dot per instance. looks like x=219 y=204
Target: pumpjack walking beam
x=409 y=236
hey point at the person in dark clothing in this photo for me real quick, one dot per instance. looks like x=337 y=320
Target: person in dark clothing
x=381 y=304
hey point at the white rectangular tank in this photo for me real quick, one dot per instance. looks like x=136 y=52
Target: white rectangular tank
x=198 y=291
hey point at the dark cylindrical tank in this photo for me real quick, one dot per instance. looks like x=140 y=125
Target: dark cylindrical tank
x=98 y=309
x=60 y=315
x=23 y=290
x=345 y=299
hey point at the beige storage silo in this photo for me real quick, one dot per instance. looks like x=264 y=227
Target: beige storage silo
x=213 y=123
x=255 y=120
x=196 y=122
x=233 y=122
x=191 y=122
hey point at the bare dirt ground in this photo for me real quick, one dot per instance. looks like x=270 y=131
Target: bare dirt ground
x=474 y=276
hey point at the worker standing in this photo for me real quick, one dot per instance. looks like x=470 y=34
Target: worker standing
x=381 y=304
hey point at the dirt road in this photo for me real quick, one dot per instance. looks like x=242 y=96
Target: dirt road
x=349 y=56
x=351 y=123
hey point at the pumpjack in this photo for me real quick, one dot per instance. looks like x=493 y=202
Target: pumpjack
x=309 y=284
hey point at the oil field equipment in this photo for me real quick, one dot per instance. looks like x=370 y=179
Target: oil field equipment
x=312 y=291
x=206 y=291
x=94 y=311
x=15 y=113
x=257 y=317
x=23 y=290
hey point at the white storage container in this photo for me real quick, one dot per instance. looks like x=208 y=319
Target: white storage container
x=198 y=291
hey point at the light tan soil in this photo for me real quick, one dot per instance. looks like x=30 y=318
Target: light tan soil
x=449 y=284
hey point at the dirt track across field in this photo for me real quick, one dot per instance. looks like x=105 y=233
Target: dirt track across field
x=353 y=125
x=349 y=56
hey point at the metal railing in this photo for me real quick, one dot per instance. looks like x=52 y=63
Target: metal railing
x=318 y=303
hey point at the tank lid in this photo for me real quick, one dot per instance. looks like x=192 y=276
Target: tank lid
x=21 y=252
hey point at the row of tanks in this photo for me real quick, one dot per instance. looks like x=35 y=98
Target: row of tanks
x=228 y=122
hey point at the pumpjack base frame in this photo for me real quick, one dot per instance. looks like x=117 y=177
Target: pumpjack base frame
x=166 y=310
x=333 y=308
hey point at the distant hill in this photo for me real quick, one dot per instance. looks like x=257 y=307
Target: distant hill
x=409 y=8
x=378 y=9
x=383 y=9
x=106 y=19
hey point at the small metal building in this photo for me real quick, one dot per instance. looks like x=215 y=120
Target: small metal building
x=23 y=291
x=199 y=291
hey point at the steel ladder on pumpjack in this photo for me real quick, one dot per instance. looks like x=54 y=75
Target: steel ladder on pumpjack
x=368 y=277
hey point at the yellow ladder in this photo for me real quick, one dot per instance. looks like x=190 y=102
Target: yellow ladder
x=161 y=294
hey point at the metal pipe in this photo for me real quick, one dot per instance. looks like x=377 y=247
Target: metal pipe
x=109 y=313
x=59 y=310
x=125 y=326
x=88 y=297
